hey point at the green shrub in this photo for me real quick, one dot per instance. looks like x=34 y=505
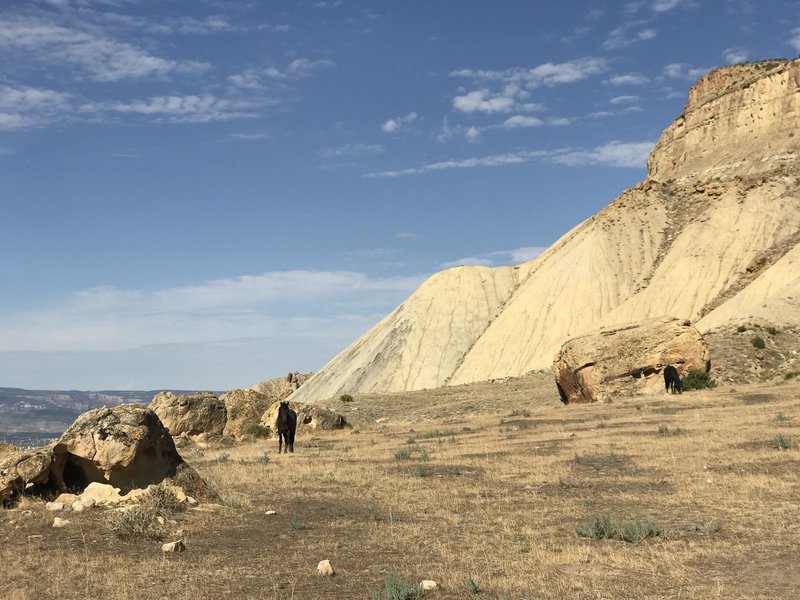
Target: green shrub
x=781 y=443
x=598 y=528
x=346 y=398
x=256 y=431
x=404 y=454
x=636 y=532
x=398 y=589
x=162 y=501
x=758 y=342
x=772 y=330
x=741 y=328
x=471 y=586
x=697 y=380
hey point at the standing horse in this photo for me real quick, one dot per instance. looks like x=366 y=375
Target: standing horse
x=672 y=381
x=286 y=424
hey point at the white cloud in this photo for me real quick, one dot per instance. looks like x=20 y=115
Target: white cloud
x=250 y=136
x=22 y=106
x=624 y=99
x=187 y=109
x=299 y=68
x=482 y=101
x=683 y=71
x=521 y=121
x=664 y=5
x=549 y=74
x=794 y=41
x=395 y=124
x=473 y=134
x=497 y=258
x=99 y=57
x=613 y=154
x=110 y=319
x=351 y=149
x=626 y=35
x=558 y=121
x=629 y=79
x=735 y=55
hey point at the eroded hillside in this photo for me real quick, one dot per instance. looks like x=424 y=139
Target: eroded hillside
x=710 y=235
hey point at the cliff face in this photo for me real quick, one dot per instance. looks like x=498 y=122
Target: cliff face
x=710 y=235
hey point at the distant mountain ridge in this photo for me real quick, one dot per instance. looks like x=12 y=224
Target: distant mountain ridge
x=712 y=234
x=52 y=411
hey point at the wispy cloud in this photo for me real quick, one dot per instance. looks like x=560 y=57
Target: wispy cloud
x=628 y=34
x=22 y=106
x=794 y=40
x=683 y=71
x=299 y=68
x=735 y=55
x=613 y=154
x=108 y=319
x=90 y=52
x=548 y=74
x=395 y=124
x=518 y=121
x=351 y=150
x=497 y=258
x=187 y=109
x=628 y=79
x=483 y=101
x=624 y=99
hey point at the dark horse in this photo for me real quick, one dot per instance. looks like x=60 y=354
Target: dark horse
x=286 y=424
x=672 y=381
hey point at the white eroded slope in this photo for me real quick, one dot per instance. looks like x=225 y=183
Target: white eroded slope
x=419 y=344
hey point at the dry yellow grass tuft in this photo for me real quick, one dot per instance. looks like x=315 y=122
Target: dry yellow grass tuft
x=484 y=484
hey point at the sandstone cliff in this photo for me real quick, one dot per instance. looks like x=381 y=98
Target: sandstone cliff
x=711 y=235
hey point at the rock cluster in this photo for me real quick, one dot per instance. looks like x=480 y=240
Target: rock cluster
x=628 y=359
x=308 y=416
x=201 y=413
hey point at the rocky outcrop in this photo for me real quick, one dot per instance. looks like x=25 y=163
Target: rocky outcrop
x=126 y=446
x=245 y=408
x=308 y=417
x=711 y=236
x=279 y=388
x=627 y=360
x=201 y=413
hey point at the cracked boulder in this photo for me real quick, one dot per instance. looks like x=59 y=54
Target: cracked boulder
x=22 y=469
x=201 y=413
x=627 y=359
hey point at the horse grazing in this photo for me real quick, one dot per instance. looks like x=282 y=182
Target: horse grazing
x=672 y=381
x=286 y=424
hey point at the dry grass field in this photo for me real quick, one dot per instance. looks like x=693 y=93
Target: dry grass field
x=483 y=489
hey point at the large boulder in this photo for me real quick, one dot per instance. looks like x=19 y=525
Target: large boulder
x=21 y=468
x=201 y=413
x=126 y=446
x=308 y=416
x=627 y=359
x=280 y=388
x=245 y=408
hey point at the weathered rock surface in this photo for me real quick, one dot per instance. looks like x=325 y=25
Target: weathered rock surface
x=711 y=235
x=21 y=468
x=245 y=408
x=325 y=568
x=172 y=547
x=279 y=388
x=308 y=416
x=201 y=413
x=6 y=448
x=629 y=359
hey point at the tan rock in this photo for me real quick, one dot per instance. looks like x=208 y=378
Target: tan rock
x=201 y=413
x=325 y=568
x=58 y=522
x=627 y=360
x=177 y=546
x=66 y=499
x=54 y=506
x=245 y=408
x=20 y=469
x=308 y=416
x=426 y=585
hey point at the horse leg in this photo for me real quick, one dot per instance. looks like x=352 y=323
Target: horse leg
x=280 y=442
x=290 y=442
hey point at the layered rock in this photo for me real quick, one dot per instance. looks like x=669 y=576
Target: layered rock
x=18 y=469
x=279 y=388
x=627 y=359
x=201 y=413
x=711 y=236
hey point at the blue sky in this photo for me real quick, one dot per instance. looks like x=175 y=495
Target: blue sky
x=203 y=194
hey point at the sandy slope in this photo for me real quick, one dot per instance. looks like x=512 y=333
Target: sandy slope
x=711 y=235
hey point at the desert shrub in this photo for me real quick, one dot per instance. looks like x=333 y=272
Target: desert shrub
x=741 y=328
x=472 y=587
x=422 y=471
x=772 y=330
x=697 y=380
x=758 y=342
x=162 y=501
x=597 y=527
x=346 y=398
x=139 y=522
x=636 y=532
x=256 y=431
x=297 y=524
x=782 y=418
x=404 y=454
x=781 y=443
x=397 y=589
x=263 y=458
